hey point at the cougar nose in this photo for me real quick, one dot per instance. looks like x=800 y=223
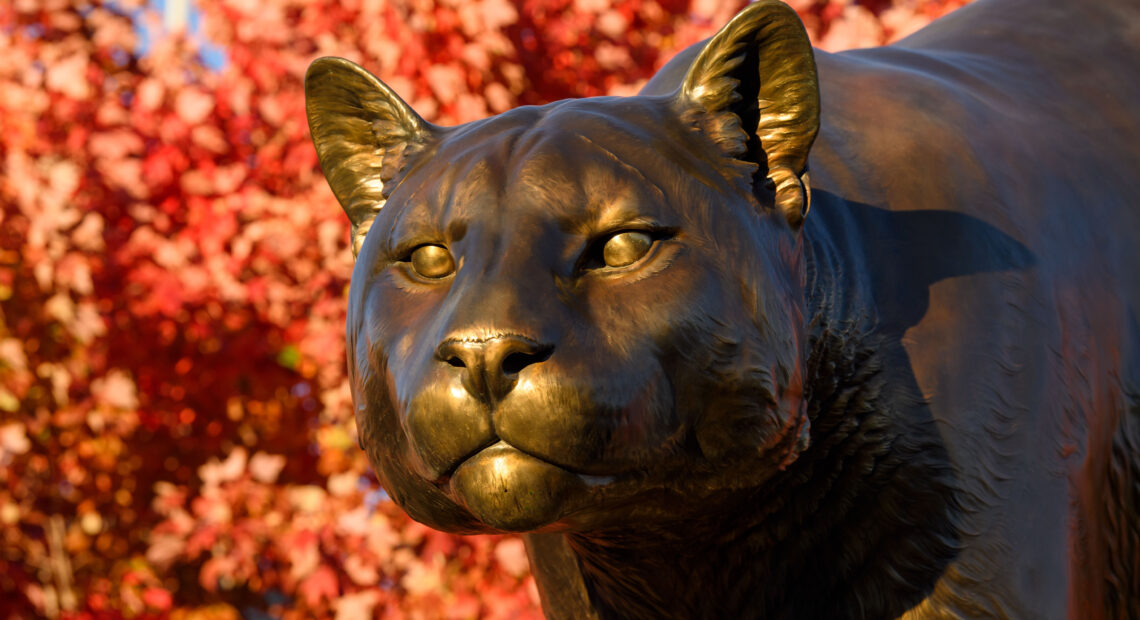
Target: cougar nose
x=491 y=366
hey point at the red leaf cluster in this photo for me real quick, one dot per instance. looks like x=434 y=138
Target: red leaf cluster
x=176 y=437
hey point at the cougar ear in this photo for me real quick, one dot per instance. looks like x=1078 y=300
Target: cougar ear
x=755 y=91
x=364 y=134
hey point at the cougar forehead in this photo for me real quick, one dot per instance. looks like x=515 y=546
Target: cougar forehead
x=581 y=164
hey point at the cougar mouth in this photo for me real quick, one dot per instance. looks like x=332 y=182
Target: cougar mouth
x=514 y=491
x=497 y=444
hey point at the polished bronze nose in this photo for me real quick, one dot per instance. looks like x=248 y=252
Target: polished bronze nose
x=491 y=366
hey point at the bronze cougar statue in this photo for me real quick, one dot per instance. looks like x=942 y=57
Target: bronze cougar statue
x=708 y=384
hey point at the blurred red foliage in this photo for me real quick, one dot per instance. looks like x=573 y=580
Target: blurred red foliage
x=176 y=437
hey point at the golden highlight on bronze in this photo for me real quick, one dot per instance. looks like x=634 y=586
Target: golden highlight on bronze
x=902 y=403
x=626 y=248
x=432 y=261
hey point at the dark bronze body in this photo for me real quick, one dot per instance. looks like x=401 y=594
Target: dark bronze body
x=608 y=322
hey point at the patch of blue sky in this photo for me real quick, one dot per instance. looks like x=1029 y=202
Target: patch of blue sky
x=212 y=56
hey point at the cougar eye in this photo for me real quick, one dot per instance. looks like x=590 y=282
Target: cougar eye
x=626 y=248
x=432 y=261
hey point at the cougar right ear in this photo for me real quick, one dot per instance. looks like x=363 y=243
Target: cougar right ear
x=364 y=135
x=755 y=84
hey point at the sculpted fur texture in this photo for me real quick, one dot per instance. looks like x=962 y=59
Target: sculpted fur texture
x=705 y=383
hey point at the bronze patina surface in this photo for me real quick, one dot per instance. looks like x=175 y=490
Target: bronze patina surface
x=706 y=387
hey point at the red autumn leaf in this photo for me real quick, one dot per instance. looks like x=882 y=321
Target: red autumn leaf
x=193 y=105
x=157 y=598
x=321 y=585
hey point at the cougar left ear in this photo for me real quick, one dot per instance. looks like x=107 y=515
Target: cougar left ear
x=364 y=135
x=755 y=91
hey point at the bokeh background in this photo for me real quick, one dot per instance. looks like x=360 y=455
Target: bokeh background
x=176 y=437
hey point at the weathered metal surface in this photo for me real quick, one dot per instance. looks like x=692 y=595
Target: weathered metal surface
x=710 y=387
